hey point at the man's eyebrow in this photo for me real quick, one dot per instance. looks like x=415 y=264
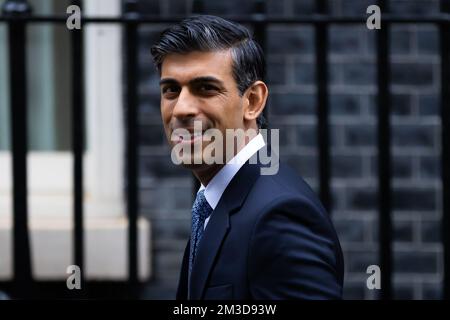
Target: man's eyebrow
x=193 y=81
x=206 y=79
x=167 y=80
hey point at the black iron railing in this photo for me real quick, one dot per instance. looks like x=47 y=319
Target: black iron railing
x=17 y=16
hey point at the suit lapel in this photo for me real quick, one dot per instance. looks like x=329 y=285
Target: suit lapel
x=217 y=228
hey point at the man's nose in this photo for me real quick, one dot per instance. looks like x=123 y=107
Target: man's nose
x=186 y=105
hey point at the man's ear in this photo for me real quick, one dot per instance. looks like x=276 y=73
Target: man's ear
x=256 y=97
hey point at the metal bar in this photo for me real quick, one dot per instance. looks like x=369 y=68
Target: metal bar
x=78 y=119
x=260 y=34
x=301 y=19
x=384 y=157
x=445 y=151
x=18 y=87
x=321 y=47
x=197 y=8
x=131 y=42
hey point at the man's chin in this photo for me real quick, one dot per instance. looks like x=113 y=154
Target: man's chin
x=198 y=163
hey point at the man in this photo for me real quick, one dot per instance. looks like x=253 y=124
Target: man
x=254 y=235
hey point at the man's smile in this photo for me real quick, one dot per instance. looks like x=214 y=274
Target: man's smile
x=189 y=138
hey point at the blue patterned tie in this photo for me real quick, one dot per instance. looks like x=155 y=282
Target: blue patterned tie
x=200 y=211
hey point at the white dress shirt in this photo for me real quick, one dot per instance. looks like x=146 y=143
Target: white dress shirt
x=218 y=184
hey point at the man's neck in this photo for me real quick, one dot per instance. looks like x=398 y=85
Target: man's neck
x=206 y=174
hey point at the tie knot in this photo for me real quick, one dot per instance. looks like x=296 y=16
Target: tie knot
x=201 y=207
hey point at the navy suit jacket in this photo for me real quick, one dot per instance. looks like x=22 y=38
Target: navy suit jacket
x=268 y=238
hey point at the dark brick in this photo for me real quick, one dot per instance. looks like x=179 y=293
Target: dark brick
x=431 y=231
x=358 y=261
x=148 y=77
x=372 y=46
x=149 y=35
x=149 y=105
x=334 y=73
x=402 y=166
x=291 y=104
x=161 y=198
x=360 y=135
x=152 y=135
x=350 y=230
x=400 y=39
x=362 y=198
x=413 y=74
x=414 y=199
x=403 y=231
x=401 y=104
x=428 y=40
x=149 y=7
x=374 y=235
x=286 y=134
x=174 y=229
x=372 y=103
x=157 y=166
x=163 y=244
x=416 y=7
x=346 y=166
x=305 y=165
x=432 y=291
x=345 y=104
x=350 y=7
x=306 y=135
x=289 y=39
x=276 y=71
x=415 y=261
x=369 y=36
x=338 y=198
x=429 y=104
x=148 y=200
x=361 y=73
x=430 y=167
x=336 y=136
x=414 y=136
x=303 y=7
x=304 y=73
x=168 y=265
x=178 y=7
x=230 y=7
x=345 y=39
x=275 y=8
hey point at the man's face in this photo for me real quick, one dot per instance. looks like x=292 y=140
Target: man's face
x=199 y=86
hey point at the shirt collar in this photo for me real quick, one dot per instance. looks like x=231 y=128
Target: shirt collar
x=218 y=184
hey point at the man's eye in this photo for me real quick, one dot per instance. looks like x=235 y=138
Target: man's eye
x=170 y=89
x=207 y=87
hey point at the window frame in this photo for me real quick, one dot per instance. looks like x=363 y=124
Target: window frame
x=50 y=180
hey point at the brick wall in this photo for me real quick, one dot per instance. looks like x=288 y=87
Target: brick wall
x=166 y=190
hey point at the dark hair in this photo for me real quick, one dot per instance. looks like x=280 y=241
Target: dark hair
x=210 y=33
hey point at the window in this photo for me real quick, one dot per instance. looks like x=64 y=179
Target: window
x=50 y=159
x=49 y=108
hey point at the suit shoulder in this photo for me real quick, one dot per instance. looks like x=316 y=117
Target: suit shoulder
x=285 y=185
